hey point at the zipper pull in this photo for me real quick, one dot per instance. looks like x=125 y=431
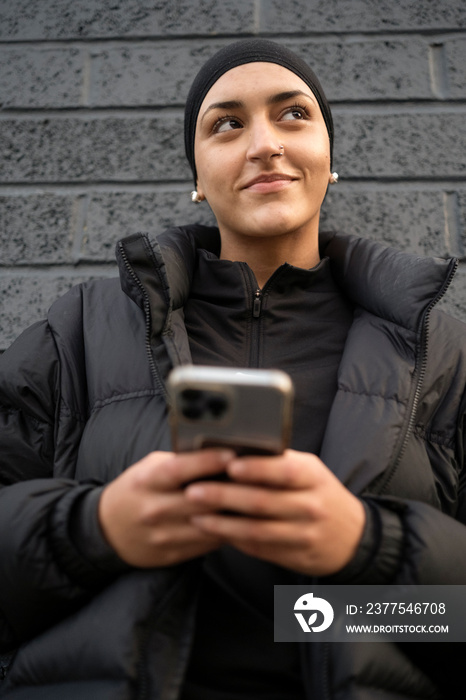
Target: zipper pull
x=257 y=304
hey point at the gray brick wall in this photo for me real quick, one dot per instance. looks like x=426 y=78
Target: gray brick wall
x=91 y=105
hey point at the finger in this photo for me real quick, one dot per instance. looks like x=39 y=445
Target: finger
x=168 y=471
x=255 y=501
x=180 y=543
x=181 y=534
x=236 y=529
x=292 y=470
x=165 y=506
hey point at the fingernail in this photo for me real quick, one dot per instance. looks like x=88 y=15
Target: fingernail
x=237 y=468
x=195 y=492
x=227 y=456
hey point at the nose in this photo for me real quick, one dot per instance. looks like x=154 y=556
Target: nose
x=264 y=142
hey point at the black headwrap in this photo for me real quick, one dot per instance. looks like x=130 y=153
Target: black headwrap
x=247 y=51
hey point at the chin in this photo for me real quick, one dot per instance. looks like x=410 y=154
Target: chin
x=277 y=224
x=272 y=218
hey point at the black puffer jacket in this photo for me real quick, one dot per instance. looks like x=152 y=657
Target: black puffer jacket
x=83 y=397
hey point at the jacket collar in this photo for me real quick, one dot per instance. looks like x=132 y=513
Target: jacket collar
x=388 y=283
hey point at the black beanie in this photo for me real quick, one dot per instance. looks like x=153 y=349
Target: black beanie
x=247 y=51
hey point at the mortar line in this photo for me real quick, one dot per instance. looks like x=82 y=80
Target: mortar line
x=383 y=33
x=453 y=237
x=86 y=83
x=63 y=270
x=438 y=70
x=369 y=107
x=256 y=22
x=81 y=206
x=347 y=182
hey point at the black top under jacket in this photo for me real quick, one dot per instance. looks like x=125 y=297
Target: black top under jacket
x=297 y=322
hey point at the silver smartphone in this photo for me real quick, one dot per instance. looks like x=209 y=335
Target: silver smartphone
x=246 y=410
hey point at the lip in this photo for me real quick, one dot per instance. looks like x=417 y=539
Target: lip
x=269 y=182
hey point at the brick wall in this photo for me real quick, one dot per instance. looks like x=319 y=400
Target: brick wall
x=91 y=145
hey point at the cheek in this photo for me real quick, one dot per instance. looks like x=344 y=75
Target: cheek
x=318 y=168
x=206 y=168
x=318 y=153
x=216 y=172
x=316 y=150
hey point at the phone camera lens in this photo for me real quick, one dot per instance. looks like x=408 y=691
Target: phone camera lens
x=189 y=395
x=192 y=403
x=217 y=406
x=195 y=404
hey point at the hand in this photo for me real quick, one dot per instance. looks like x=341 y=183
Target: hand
x=290 y=510
x=145 y=515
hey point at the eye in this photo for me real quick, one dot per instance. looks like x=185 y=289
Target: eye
x=226 y=124
x=294 y=113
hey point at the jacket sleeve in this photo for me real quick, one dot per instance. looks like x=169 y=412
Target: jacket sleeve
x=410 y=542
x=43 y=575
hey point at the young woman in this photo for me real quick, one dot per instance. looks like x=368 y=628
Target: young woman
x=121 y=575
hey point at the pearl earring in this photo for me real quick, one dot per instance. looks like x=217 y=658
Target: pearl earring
x=333 y=178
x=195 y=197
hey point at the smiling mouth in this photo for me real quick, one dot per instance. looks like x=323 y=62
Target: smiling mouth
x=273 y=182
x=270 y=177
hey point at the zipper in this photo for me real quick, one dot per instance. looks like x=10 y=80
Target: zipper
x=257 y=295
x=325 y=671
x=135 y=278
x=325 y=658
x=171 y=691
x=143 y=685
x=420 y=376
x=254 y=352
x=143 y=661
x=257 y=304
x=6 y=659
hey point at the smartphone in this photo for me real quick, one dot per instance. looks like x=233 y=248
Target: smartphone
x=246 y=410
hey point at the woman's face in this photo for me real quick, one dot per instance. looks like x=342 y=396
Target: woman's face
x=245 y=117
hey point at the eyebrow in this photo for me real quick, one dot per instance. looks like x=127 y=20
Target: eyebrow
x=273 y=99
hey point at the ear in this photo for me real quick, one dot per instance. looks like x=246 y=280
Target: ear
x=199 y=190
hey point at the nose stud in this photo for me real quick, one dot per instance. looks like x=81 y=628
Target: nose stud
x=281 y=150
